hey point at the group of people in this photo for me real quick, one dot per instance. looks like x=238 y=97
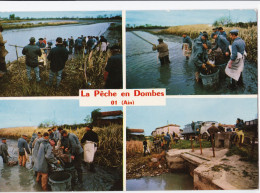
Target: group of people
x=41 y=148
x=201 y=47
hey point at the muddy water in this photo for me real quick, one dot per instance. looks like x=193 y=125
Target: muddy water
x=168 y=181
x=21 y=37
x=17 y=178
x=143 y=69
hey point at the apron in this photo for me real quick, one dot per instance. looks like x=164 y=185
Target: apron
x=89 y=151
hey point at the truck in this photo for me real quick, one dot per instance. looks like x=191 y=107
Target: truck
x=199 y=127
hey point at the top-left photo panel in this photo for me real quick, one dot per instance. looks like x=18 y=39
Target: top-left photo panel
x=58 y=53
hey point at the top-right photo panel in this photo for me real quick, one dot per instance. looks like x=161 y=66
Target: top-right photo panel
x=192 y=52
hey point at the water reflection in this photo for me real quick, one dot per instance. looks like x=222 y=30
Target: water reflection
x=165 y=74
x=168 y=181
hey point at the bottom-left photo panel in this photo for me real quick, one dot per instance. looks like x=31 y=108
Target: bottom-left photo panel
x=56 y=145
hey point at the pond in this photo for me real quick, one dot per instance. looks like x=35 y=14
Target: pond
x=167 y=181
x=21 y=37
x=143 y=69
x=21 y=179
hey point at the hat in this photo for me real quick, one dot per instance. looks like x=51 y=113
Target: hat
x=234 y=31
x=160 y=40
x=205 y=35
x=220 y=28
x=32 y=39
x=40 y=38
x=89 y=125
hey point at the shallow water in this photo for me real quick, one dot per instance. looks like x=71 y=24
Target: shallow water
x=143 y=69
x=21 y=37
x=17 y=178
x=168 y=181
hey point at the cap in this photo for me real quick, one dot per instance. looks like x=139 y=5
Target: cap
x=32 y=39
x=205 y=35
x=89 y=125
x=220 y=28
x=40 y=38
x=160 y=40
x=234 y=31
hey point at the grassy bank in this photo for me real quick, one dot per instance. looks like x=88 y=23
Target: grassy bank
x=40 y=24
x=249 y=35
x=110 y=146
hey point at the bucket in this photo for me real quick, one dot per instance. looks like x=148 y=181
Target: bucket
x=60 y=181
x=72 y=171
x=210 y=80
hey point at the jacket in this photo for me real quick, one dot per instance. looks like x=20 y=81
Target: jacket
x=237 y=46
x=58 y=57
x=31 y=52
x=35 y=151
x=40 y=45
x=44 y=157
x=74 y=144
x=34 y=136
x=162 y=48
x=222 y=43
x=22 y=144
x=90 y=136
x=4 y=149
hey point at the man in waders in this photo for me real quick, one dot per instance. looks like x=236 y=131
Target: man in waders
x=32 y=52
x=3 y=53
x=4 y=151
x=163 y=50
x=186 y=41
x=22 y=147
x=90 y=139
x=45 y=157
x=113 y=72
x=76 y=151
x=236 y=64
x=223 y=44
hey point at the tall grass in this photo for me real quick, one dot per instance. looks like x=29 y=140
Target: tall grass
x=133 y=147
x=249 y=35
x=110 y=147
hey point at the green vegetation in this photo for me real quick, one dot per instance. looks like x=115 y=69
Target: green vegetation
x=186 y=144
x=217 y=168
x=145 y=27
x=244 y=152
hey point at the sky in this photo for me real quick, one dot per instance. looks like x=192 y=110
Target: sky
x=17 y=113
x=184 y=111
x=54 y=14
x=187 y=17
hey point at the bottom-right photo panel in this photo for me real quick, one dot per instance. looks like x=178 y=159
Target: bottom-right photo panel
x=193 y=144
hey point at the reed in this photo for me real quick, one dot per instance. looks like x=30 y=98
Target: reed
x=133 y=147
x=249 y=35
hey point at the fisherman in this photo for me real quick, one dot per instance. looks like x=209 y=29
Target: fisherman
x=36 y=145
x=167 y=139
x=221 y=128
x=40 y=43
x=23 y=146
x=78 y=45
x=76 y=151
x=44 y=157
x=239 y=131
x=56 y=134
x=186 y=40
x=49 y=45
x=236 y=64
x=32 y=52
x=65 y=43
x=58 y=57
x=223 y=44
x=71 y=45
x=34 y=136
x=199 y=55
x=103 y=42
x=90 y=43
x=163 y=50
x=113 y=70
x=3 y=53
x=212 y=131
x=222 y=32
x=215 y=30
x=4 y=151
x=90 y=139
